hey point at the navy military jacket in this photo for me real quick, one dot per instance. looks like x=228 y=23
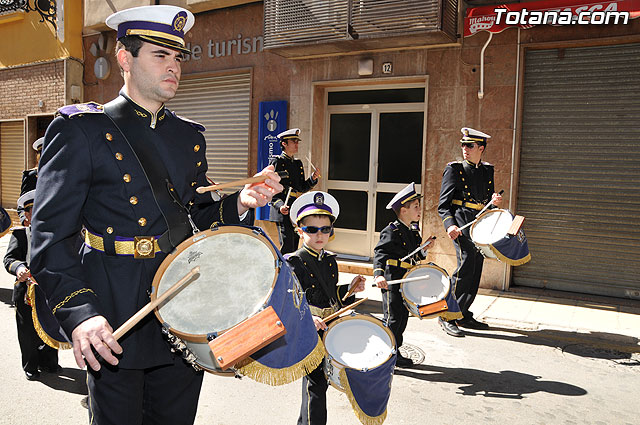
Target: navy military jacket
x=89 y=177
x=396 y=241
x=17 y=250
x=465 y=189
x=318 y=276
x=29 y=180
x=291 y=173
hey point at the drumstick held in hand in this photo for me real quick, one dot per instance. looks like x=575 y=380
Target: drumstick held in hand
x=311 y=165
x=408 y=279
x=235 y=183
x=286 y=201
x=481 y=211
x=350 y=292
x=427 y=242
x=126 y=326
x=342 y=310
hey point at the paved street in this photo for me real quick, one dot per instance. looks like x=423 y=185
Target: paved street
x=510 y=374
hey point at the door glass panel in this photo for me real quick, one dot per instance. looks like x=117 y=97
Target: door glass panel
x=349 y=141
x=353 y=209
x=383 y=215
x=368 y=97
x=400 y=147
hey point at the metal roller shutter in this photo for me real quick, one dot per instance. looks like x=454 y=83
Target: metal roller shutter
x=11 y=161
x=580 y=170
x=222 y=105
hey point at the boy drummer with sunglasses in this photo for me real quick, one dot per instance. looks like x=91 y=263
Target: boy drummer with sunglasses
x=317 y=270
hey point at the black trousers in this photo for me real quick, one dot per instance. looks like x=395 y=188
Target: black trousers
x=289 y=236
x=157 y=396
x=35 y=353
x=466 y=278
x=395 y=314
x=313 y=410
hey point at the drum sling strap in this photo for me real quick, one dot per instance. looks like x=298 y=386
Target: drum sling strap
x=312 y=269
x=140 y=139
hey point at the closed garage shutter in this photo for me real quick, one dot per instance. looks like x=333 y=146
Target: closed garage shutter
x=11 y=161
x=580 y=170
x=222 y=105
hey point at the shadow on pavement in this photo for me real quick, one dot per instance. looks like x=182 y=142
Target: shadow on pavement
x=598 y=345
x=503 y=384
x=5 y=296
x=71 y=380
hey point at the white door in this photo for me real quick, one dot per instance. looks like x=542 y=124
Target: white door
x=374 y=150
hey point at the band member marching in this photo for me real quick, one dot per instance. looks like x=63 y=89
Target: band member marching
x=466 y=187
x=126 y=173
x=291 y=172
x=317 y=270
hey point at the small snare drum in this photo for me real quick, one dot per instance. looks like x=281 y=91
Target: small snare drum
x=490 y=227
x=420 y=293
x=357 y=342
x=238 y=269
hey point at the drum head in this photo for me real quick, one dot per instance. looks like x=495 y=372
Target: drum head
x=428 y=291
x=359 y=342
x=491 y=226
x=237 y=274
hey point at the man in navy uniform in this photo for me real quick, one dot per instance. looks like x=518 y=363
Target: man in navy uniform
x=291 y=172
x=397 y=240
x=36 y=355
x=126 y=172
x=466 y=187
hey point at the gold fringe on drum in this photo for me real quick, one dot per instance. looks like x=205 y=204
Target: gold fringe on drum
x=363 y=417
x=508 y=260
x=274 y=377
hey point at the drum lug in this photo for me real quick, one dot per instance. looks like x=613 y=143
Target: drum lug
x=211 y=336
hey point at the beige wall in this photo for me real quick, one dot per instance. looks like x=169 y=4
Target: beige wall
x=453 y=102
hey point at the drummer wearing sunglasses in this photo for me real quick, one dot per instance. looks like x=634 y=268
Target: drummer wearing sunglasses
x=317 y=270
x=467 y=186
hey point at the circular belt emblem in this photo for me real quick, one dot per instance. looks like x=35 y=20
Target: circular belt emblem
x=144 y=247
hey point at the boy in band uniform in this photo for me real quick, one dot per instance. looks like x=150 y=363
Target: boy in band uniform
x=467 y=186
x=317 y=270
x=397 y=240
x=291 y=172
x=36 y=355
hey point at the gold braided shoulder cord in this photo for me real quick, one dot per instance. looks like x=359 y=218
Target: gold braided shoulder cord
x=73 y=294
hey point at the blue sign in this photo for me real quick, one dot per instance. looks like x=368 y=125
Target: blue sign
x=273 y=121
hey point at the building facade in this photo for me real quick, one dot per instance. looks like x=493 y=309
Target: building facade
x=380 y=90
x=40 y=71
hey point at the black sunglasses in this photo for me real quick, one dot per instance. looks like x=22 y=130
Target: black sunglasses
x=312 y=230
x=469 y=145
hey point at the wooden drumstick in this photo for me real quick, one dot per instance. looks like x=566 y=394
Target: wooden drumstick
x=286 y=201
x=350 y=292
x=133 y=320
x=408 y=279
x=311 y=165
x=235 y=183
x=342 y=310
